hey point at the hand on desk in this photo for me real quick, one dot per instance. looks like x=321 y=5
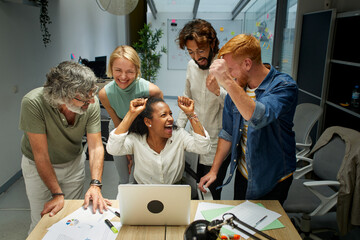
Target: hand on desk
x=94 y=195
x=53 y=206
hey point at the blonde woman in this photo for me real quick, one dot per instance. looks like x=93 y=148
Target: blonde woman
x=124 y=67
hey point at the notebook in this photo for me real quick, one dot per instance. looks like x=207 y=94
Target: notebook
x=154 y=204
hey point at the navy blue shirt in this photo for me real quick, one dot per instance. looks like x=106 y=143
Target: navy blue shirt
x=270 y=153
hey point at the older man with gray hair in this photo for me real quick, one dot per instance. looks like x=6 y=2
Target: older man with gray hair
x=54 y=119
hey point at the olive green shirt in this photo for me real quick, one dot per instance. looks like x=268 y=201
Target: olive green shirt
x=64 y=140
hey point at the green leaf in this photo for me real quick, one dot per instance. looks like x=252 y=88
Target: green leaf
x=146 y=48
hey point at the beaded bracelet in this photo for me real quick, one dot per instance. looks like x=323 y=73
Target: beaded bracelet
x=192 y=116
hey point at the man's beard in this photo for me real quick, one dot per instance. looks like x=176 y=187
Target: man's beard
x=207 y=66
x=75 y=109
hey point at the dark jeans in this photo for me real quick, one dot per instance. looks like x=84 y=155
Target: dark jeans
x=279 y=192
x=203 y=170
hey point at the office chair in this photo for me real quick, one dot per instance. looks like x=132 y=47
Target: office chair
x=306 y=115
x=85 y=145
x=312 y=197
x=105 y=118
x=191 y=178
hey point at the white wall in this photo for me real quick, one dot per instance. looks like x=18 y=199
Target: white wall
x=78 y=27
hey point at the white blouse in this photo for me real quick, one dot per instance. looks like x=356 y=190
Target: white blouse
x=166 y=167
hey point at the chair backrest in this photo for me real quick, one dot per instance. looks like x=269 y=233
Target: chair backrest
x=306 y=115
x=191 y=177
x=328 y=159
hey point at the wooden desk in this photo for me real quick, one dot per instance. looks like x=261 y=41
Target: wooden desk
x=286 y=233
x=166 y=232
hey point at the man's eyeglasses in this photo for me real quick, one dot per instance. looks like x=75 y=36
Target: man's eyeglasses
x=92 y=94
x=87 y=102
x=198 y=52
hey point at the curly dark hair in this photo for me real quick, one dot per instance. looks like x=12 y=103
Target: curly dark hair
x=202 y=32
x=138 y=126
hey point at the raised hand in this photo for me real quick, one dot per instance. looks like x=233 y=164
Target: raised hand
x=212 y=85
x=186 y=104
x=137 y=105
x=220 y=71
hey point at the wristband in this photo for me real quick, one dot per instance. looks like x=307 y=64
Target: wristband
x=95 y=182
x=58 y=194
x=192 y=116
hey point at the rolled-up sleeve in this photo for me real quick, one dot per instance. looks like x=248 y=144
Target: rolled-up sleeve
x=119 y=144
x=227 y=120
x=195 y=142
x=274 y=104
x=224 y=135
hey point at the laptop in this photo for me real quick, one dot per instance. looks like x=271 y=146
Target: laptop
x=154 y=204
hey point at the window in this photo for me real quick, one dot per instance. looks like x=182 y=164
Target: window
x=259 y=18
x=287 y=50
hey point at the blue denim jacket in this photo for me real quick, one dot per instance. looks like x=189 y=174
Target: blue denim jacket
x=270 y=153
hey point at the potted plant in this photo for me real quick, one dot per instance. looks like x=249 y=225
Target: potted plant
x=44 y=19
x=146 y=48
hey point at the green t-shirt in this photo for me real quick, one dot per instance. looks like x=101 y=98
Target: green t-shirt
x=64 y=141
x=120 y=98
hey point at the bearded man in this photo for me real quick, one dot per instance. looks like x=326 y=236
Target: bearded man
x=199 y=39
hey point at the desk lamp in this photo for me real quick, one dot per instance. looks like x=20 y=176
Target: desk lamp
x=205 y=230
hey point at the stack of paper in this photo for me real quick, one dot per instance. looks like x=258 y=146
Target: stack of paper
x=250 y=213
x=83 y=224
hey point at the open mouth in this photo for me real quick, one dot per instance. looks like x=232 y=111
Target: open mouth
x=169 y=126
x=122 y=81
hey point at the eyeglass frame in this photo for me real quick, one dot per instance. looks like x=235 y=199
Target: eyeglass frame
x=87 y=102
x=199 y=52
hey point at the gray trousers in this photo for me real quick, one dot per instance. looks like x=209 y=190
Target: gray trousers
x=71 y=178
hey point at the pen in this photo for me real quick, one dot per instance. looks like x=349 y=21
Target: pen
x=258 y=222
x=107 y=221
x=116 y=212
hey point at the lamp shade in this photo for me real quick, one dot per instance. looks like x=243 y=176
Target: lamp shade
x=119 y=7
x=198 y=230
